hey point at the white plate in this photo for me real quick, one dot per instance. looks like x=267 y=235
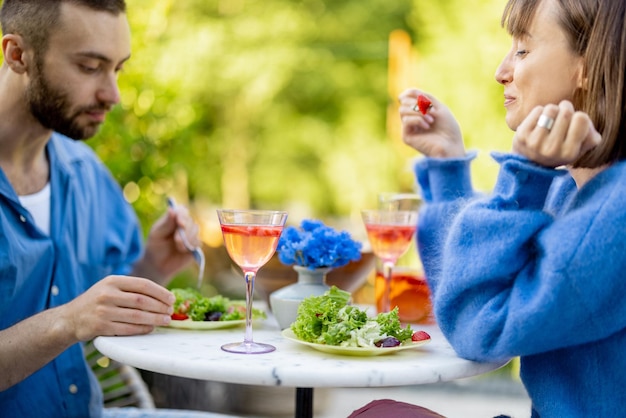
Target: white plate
x=353 y=351
x=190 y=324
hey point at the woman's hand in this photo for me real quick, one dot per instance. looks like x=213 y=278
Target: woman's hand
x=570 y=136
x=435 y=134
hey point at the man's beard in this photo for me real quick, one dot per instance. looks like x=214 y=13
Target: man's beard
x=51 y=107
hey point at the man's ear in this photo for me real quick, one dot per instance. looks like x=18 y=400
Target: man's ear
x=15 y=55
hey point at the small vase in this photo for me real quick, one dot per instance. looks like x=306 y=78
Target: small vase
x=284 y=302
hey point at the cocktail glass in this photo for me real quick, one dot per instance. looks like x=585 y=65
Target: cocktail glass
x=408 y=289
x=390 y=233
x=399 y=201
x=250 y=237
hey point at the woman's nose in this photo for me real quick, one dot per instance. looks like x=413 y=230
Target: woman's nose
x=504 y=72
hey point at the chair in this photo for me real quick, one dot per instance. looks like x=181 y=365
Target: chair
x=122 y=385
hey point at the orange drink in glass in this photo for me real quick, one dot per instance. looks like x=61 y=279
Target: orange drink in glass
x=409 y=291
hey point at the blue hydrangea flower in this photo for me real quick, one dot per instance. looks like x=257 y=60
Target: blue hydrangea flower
x=315 y=245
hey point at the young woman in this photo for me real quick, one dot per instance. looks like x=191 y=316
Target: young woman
x=536 y=269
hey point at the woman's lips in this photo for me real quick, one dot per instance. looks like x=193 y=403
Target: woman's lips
x=508 y=100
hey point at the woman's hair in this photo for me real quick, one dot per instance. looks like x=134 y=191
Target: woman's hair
x=33 y=19
x=596 y=30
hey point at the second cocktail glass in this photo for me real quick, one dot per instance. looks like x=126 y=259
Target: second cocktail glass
x=250 y=237
x=390 y=233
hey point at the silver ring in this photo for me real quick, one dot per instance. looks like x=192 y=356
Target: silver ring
x=545 y=122
x=415 y=108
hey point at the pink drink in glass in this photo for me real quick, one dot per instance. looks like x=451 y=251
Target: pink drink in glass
x=389 y=242
x=250 y=237
x=250 y=247
x=390 y=233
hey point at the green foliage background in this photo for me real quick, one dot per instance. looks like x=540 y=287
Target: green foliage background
x=284 y=103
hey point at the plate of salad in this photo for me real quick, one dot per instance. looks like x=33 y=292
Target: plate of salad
x=330 y=324
x=192 y=310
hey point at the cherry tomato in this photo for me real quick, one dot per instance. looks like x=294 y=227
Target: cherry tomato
x=420 y=336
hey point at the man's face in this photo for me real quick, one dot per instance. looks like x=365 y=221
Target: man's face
x=51 y=106
x=74 y=84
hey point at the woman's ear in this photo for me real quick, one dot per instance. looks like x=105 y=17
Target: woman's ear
x=582 y=82
x=14 y=53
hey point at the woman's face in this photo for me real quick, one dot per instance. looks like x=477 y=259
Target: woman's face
x=540 y=68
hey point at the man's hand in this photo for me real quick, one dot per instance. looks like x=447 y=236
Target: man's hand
x=166 y=253
x=118 y=305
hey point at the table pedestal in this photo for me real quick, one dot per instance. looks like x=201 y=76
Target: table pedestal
x=304 y=402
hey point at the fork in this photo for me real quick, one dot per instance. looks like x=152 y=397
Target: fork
x=197 y=253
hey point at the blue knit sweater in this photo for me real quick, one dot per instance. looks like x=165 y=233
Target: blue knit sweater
x=537 y=269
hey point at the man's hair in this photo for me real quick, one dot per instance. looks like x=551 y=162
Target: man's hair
x=33 y=19
x=596 y=30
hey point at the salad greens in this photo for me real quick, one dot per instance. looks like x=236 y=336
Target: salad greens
x=190 y=302
x=329 y=319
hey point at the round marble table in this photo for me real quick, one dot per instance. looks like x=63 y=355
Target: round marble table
x=197 y=354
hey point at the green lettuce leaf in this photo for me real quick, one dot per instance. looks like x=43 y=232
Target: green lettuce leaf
x=328 y=319
x=196 y=306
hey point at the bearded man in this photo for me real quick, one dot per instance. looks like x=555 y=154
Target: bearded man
x=72 y=262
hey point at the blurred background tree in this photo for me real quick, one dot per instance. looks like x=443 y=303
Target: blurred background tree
x=291 y=104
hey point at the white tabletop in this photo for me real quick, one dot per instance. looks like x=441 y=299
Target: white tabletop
x=197 y=354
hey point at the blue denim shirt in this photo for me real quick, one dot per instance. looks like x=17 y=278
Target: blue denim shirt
x=93 y=233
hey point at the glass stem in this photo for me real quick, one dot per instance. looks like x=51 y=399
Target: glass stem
x=387 y=272
x=250 y=275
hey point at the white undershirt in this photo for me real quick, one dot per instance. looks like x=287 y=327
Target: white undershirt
x=38 y=204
